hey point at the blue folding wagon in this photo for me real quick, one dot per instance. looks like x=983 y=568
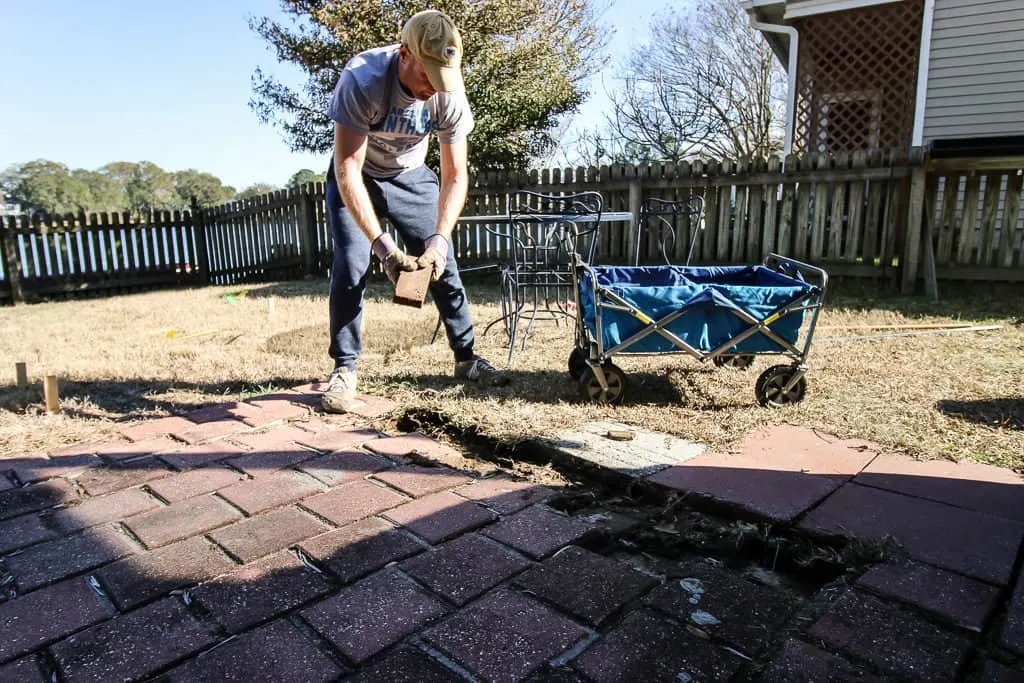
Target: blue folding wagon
x=728 y=314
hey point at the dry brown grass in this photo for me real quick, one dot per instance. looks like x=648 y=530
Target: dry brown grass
x=955 y=396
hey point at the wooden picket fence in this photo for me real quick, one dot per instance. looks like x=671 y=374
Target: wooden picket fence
x=900 y=218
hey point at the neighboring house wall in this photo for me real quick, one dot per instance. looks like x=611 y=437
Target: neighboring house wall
x=975 y=70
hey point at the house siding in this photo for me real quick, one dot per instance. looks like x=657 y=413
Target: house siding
x=975 y=70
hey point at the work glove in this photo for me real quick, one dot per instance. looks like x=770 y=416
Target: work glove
x=391 y=258
x=435 y=255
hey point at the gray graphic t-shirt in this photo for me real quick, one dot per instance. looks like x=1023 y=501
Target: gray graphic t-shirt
x=369 y=100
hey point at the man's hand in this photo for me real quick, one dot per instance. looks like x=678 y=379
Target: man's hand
x=393 y=259
x=435 y=256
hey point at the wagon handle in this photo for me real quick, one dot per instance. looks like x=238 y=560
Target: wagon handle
x=791 y=267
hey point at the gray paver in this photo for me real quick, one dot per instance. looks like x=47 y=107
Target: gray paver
x=644 y=454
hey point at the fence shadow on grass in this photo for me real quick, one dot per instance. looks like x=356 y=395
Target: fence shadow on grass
x=999 y=413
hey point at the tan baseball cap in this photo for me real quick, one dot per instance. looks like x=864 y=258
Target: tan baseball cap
x=433 y=39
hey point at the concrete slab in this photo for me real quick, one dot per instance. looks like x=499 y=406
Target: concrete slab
x=646 y=453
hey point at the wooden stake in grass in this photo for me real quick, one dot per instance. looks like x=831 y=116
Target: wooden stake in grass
x=51 y=395
x=21 y=370
x=271 y=307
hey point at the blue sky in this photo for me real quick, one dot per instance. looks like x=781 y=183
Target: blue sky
x=90 y=82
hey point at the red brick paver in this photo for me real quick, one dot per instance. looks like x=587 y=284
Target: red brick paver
x=108 y=479
x=155 y=636
x=930 y=531
x=275 y=652
x=38 y=469
x=373 y=614
x=204 y=454
x=348 y=503
x=272 y=490
x=360 y=548
x=22 y=532
x=107 y=508
x=505 y=495
x=267 y=533
x=338 y=439
x=505 y=636
x=409 y=444
x=155 y=428
x=263 y=462
x=539 y=531
x=343 y=467
x=55 y=560
x=420 y=481
x=194 y=483
x=440 y=516
x=181 y=520
x=46 y=615
x=16 y=502
x=128 y=450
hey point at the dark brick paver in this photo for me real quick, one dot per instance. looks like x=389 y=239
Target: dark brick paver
x=259 y=591
x=263 y=462
x=539 y=531
x=343 y=467
x=802 y=663
x=996 y=672
x=1012 y=634
x=133 y=645
x=360 y=548
x=406 y=665
x=963 y=601
x=128 y=450
x=505 y=636
x=16 y=502
x=934 y=532
x=504 y=495
x=54 y=560
x=203 y=454
x=140 y=578
x=368 y=616
x=22 y=532
x=891 y=639
x=267 y=533
x=585 y=585
x=645 y=647
x=440 y=516
x=39 y=469
x=24 y=670
x=107 y=508
x=465 y=568
x=194 y=483
x=276 y=652
x=46 y=615
x=108 y=479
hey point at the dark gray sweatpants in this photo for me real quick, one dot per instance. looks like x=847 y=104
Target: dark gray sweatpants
x=409 y=200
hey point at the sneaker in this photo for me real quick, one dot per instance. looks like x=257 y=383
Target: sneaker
x=479 y=370
x=340 y=395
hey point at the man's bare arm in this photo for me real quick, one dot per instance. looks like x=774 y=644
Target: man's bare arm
x=349 y=155
x=454 y=185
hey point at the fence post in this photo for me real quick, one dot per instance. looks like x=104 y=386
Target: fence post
x=307 y=230
x=202 y=248
x=12 y=265
x=912 y=243
x=635 y=197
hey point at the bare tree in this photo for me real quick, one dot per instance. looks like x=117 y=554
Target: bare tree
x=704 y=84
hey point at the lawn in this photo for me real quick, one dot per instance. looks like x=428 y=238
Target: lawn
x=127 y=358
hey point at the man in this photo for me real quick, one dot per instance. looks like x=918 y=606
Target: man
x=385 y=104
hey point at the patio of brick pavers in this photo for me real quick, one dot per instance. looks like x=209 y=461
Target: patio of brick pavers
x=265 y=541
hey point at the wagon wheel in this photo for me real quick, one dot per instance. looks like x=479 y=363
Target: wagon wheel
x=591 y=390
x=577 y=363
x=740 y=361
x=771 y=385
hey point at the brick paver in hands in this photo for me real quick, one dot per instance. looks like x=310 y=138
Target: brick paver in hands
x=712 y=600
x=465 y=568
x=180 y=520
x=22 y=532
x=55 y=560
x=440 y=516
x=360 y=548
x=133 y=645
x=343 y=467
x=505 y=636
x=373 y=614
x=539 y=531
x=963 y=601
x=140 y=578
x=109 y=508
x=194 y=483
x=204 y=454
x=896 y=641
x=505 y=495
x=276 y=652
x=16 y=502
x=645 y=647
x=405 y=665
x=272 y=490
x=420 y=481
x=259 y=591
x=585 y=585
x=108 y=479
x=267 y=533
x=30 y=621
x=934 y=532
x=351 y=502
